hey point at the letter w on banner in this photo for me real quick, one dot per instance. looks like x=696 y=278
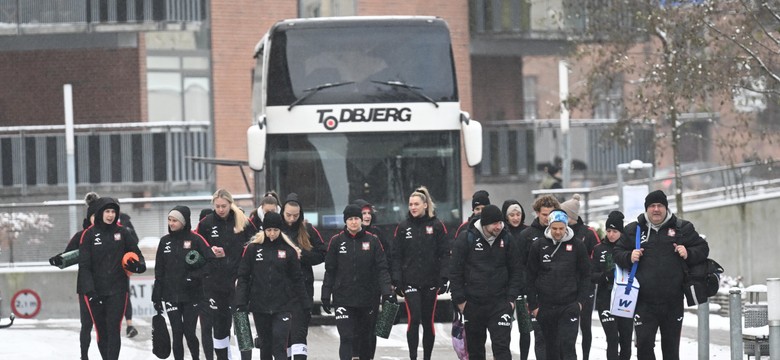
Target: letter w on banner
x=626 y=289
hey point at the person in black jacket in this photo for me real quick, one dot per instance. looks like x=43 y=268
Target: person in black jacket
x=226 y=229
x=269 y=203
x=514 y=219
x=420 y=265
x=486 y=278
x=617 y=329
x=479 y=200
x=270 y=285
x=585 y=234
x=177 y=283
x=542 y=206
x=102 y=276
x=85 y=334
x=308 y=239
x=355 y=266
x=369 y=219
x=666 y=249
x=558 y=283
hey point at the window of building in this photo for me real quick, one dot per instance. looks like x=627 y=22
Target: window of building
x=608 y=101
x=325 y=8
x=530 y=106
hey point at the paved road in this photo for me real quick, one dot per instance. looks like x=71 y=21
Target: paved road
x=32 y=339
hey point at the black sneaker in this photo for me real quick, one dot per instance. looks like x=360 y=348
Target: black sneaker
x=131 y=331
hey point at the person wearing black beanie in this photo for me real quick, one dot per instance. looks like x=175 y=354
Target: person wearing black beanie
x=486 y=278
x=479 y=200
x=353 y=210
x=272 y=220
x=668 y=246
x=618 y=330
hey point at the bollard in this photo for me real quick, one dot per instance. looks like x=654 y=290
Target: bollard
x=773 y=302
x=703 y=313
x=735 y=323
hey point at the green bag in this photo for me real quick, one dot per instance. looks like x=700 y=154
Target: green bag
x=194 y=259
x=523 y=317
x=385 y=319
x=243 y=330
x=65 y=259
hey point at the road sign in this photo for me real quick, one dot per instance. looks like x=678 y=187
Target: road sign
x=26 y=304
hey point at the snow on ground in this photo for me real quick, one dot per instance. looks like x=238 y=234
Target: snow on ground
x=47 y=339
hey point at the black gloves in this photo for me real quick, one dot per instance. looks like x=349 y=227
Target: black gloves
x=445 y=286
x=326 y=305
x=158 y=306
x=94 y=298
x=135 y=266
x=610 y=275
x=390 y=298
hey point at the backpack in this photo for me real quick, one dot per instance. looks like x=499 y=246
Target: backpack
x=701 y=280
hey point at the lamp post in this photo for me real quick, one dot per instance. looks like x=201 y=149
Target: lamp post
x=773 y=302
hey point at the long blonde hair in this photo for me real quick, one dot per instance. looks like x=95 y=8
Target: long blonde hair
x=241 y=219
x=259 y=238
x=423 y=193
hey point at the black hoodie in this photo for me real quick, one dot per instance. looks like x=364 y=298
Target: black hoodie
x=421 y=252
x=220 y=232
x=102 y=247
x=174 y=280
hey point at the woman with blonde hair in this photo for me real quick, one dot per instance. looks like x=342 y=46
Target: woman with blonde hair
x=270 y=286
x=225 y=229
x=419 y=271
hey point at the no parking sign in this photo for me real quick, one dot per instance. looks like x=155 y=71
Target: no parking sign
x=26 y=304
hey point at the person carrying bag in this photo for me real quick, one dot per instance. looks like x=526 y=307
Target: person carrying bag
x=625 y=290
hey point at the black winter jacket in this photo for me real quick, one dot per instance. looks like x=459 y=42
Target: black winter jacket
x=174 y=280
x=219 y=232
x=559 y=277
x=102 y=247
x=660 y=271
x=355 y=266
x=311 y=257
x=270 y=278
x=586 y=235
x=602 y=272
x=420 y=252
x=482 y=273
x=527 y=236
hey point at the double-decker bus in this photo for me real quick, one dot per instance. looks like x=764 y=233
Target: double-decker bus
x=360 y=108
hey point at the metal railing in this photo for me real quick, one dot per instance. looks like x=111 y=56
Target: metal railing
x=124 y=154
x=42 y=15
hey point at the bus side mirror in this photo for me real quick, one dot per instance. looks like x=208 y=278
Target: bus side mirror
x=472 y=139
x=255 y=144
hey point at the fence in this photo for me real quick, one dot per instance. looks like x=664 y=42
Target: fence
x=22 y=243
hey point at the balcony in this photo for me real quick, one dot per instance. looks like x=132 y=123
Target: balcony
x=23 y=17
x=128 y=157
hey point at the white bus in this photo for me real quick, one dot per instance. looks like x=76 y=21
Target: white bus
x=360 y=108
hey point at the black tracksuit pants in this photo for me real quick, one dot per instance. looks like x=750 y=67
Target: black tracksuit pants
x=299 y=331
x=420 y=309
x=368 y=351
x=107 y=315
x=586 y=321
x=648 y=319
x=273 y=331
x=215 y=322
x=85 y=335
x=559 y=325
x=183 y=318
x=618 y=331
x=540 y=349
x=354 y=326
x=495 y=317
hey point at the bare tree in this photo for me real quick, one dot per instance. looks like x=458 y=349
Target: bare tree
x=671 y=61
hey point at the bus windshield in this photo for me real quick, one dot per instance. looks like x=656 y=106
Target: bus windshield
x=392 y=63
x=332 y=170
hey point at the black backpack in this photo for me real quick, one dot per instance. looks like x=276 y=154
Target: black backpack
x=701 y=280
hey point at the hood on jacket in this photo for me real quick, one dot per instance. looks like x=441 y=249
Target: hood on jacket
x=185 y=212
x=509 y=203
x=101 y=205
x=365 y=204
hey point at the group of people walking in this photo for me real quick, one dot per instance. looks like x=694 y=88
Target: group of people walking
x=553 y=272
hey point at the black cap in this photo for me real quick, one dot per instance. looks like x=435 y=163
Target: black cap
x=615 y=221
x=656 y=197
x=272 y=220
x=481 y=197
x=352 y=210
x=491 y=214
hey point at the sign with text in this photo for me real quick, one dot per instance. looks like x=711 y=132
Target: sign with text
x=140 y=296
